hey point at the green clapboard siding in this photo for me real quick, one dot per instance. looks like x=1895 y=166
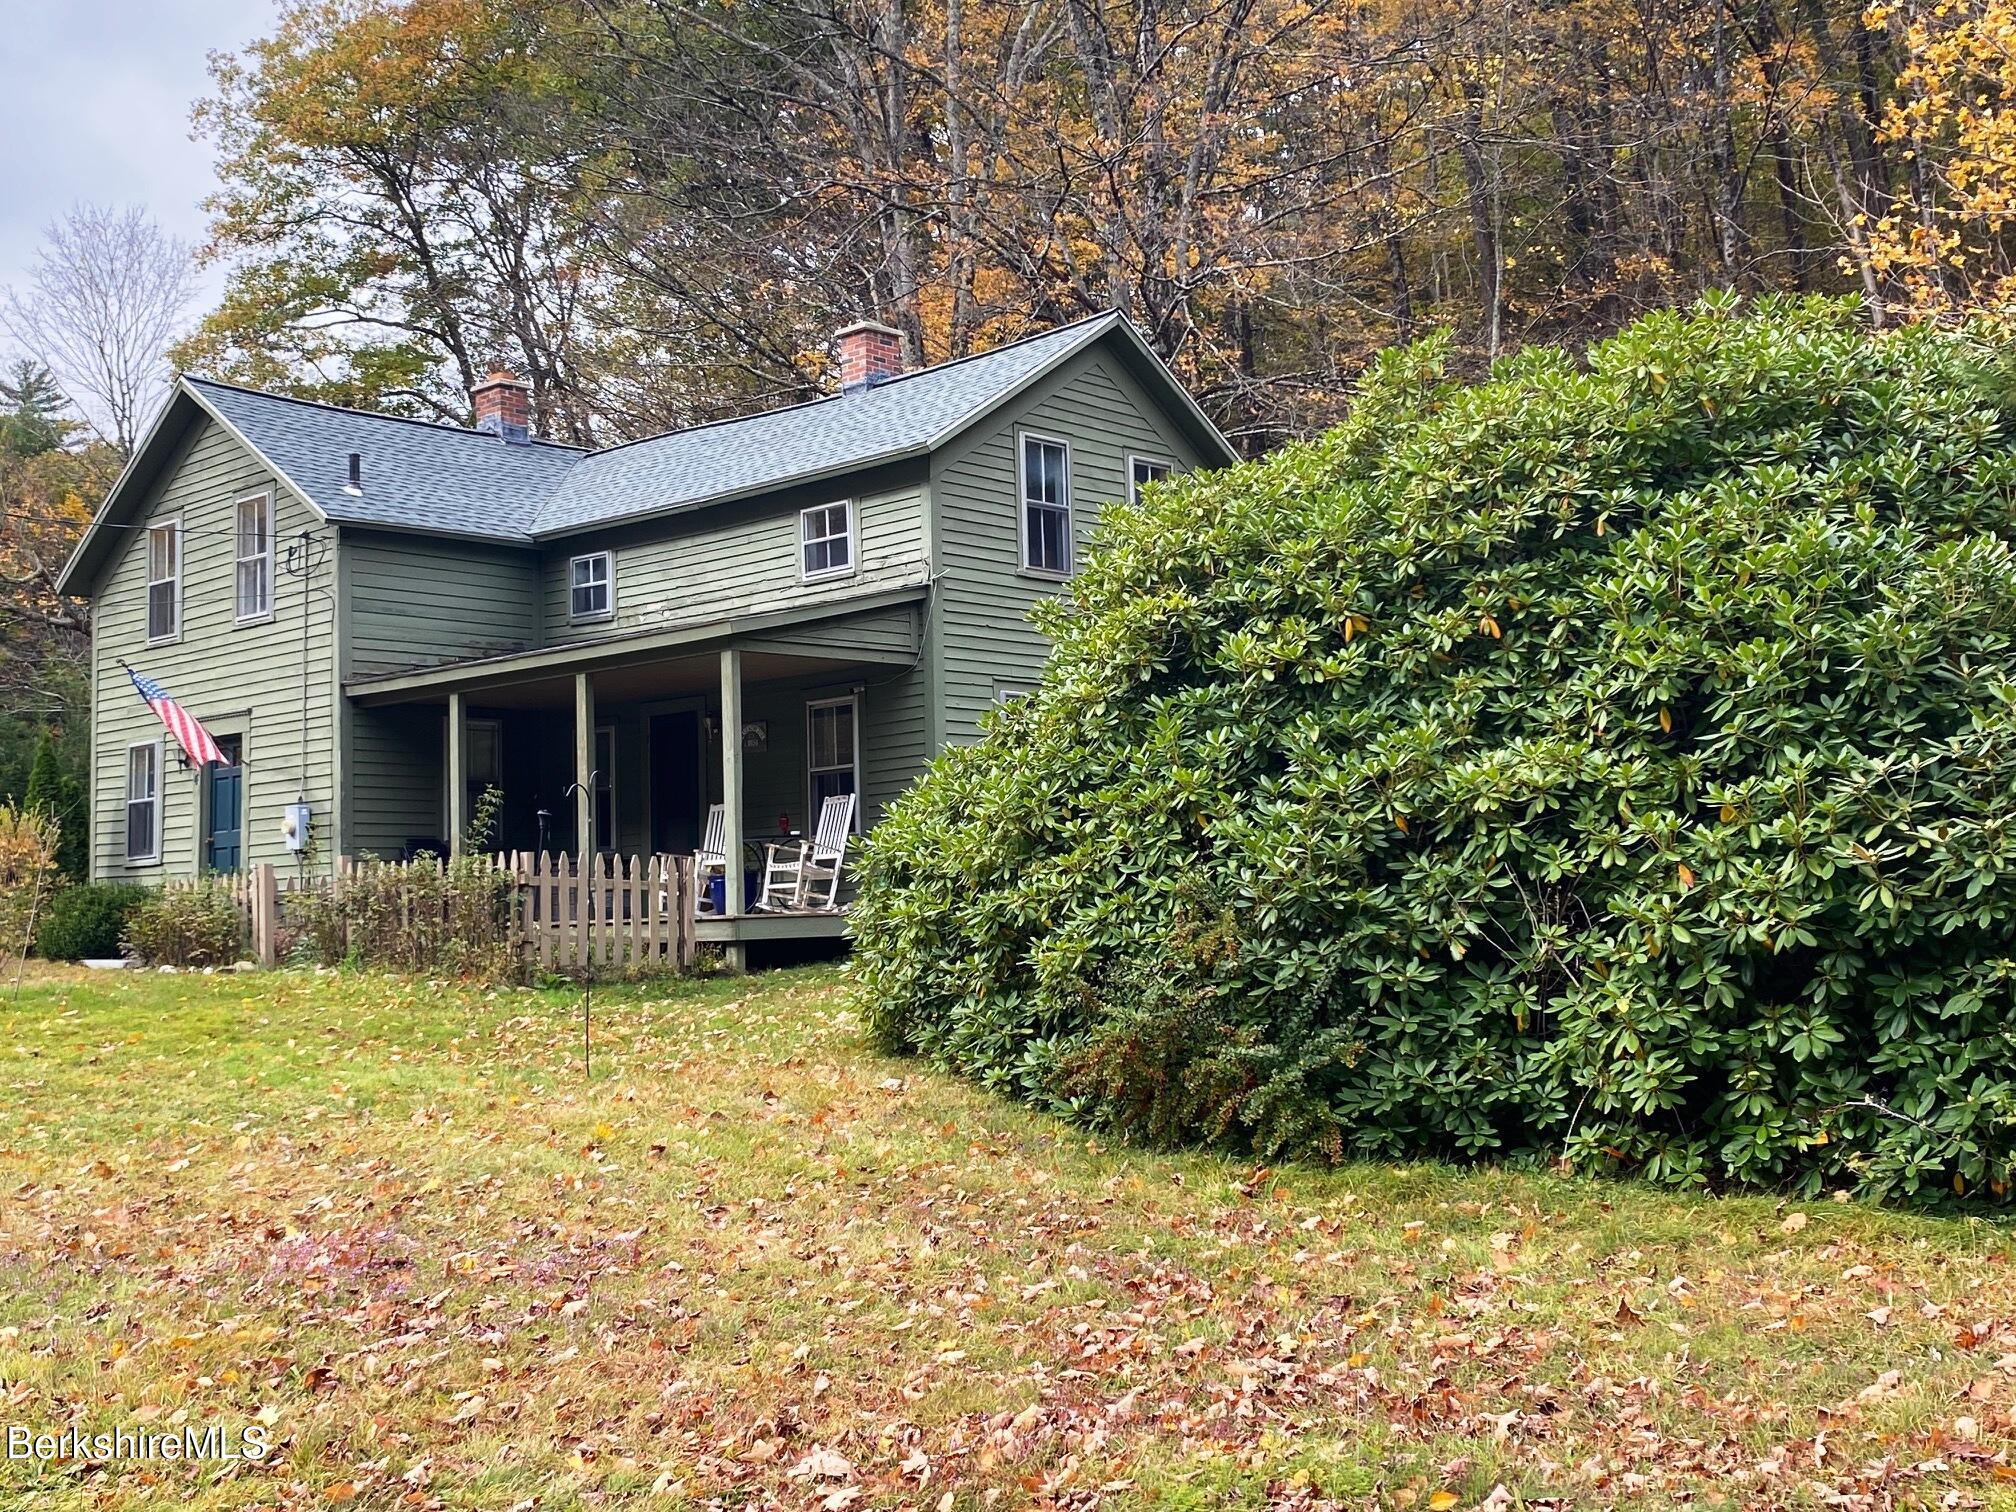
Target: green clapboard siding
x=255 y=681
x=981 y=637
x=394 y=776
x=415 y=602
x=735 y=559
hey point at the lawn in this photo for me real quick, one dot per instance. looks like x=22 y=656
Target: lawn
x=749 y=1262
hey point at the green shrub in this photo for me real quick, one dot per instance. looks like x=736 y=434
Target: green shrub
x=426 y=916
x=194 y=925
x=86 y=922
x=1612 y=760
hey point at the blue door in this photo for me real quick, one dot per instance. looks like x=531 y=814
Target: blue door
x=224 y=844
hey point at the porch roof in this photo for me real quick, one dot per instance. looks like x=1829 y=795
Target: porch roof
x=764 y=635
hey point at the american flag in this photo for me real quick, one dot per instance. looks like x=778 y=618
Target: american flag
x=185 y=727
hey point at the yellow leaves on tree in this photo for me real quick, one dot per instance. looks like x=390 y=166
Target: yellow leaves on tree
x=1947 y=243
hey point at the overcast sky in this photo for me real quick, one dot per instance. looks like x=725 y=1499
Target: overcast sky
x=94 y=105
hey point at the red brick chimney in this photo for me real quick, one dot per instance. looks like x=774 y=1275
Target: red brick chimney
x=870 y=353
x=503 y=404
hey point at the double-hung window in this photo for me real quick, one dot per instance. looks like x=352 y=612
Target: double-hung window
x=164 y=580
x=826 y=540
x=255 y=557
x=143 y=802
x=1046 y=505
x=832 y=753
x=1144 y=470
x=591 y=587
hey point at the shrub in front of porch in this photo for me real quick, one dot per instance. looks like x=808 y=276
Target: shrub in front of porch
x=1613 y=761
x=188 y=924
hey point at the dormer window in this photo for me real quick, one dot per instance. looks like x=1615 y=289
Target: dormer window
x=591 y=587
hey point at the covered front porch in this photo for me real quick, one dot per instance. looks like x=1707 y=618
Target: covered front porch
x=619 y=746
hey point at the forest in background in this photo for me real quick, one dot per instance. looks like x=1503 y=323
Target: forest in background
x=656 y=211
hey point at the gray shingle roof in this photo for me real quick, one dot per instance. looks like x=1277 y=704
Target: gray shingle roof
x=417 y=476
x=421 y=476
x=905 y=415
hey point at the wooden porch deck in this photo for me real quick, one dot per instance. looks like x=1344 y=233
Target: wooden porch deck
x=757 y=928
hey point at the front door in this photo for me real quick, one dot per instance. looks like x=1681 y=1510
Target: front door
x=675 y=782
x=223 y=844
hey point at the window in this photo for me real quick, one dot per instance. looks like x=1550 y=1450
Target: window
x=255 y=557
x=590 y=587
x=1046 y=505
x=164 y=580
x=832 y=756
x=826 y=540
x=605 y=787
x=143 y=802
x=1142 y=470
x=1008 y=692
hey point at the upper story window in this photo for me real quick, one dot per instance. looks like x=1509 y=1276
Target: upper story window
x=826 y=540
x=164 y=580
x=1144 y=470
x=255 y=556
x=143 y=802
x=1046 y=505
x=591 y=587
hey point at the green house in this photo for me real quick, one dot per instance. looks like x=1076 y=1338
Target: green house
x=379 y=618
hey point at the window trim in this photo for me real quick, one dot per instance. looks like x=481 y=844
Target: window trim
x=605 y=844
x=1167 y=465
x=152 y=858
x=853 y=701
x=848 y=535
x=608 y=611
x=1053 y=574
x=238 y=559
x=147 y=603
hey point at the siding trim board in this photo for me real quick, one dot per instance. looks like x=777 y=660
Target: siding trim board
x=528 y=666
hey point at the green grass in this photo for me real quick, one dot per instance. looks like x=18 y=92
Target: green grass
x=752 y=1263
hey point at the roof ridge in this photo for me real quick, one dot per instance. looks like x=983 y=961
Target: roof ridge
x=370 y=414
x=886 y=383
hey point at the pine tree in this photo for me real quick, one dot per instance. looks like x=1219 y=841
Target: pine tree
x=31 y=410
x=60 y=795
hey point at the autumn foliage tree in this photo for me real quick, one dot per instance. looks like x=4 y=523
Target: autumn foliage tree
x=658 y=209
x=1951 y=240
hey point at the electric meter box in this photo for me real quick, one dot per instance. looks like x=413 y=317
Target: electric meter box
x=294 y=827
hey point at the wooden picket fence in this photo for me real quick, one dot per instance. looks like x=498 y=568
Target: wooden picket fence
x=619 y=914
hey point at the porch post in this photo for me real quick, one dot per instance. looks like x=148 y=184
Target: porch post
x=731 y=795
x=458 y=770
x=584 y=769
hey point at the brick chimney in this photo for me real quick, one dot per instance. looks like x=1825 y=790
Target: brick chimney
x=870 y=353
x=504 y=406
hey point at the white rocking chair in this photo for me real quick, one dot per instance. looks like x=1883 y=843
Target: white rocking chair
x=711 y=857
x=794 y=873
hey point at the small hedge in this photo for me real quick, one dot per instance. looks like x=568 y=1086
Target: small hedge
x=87 y=922
x=1612 y=761
x=196 y=925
